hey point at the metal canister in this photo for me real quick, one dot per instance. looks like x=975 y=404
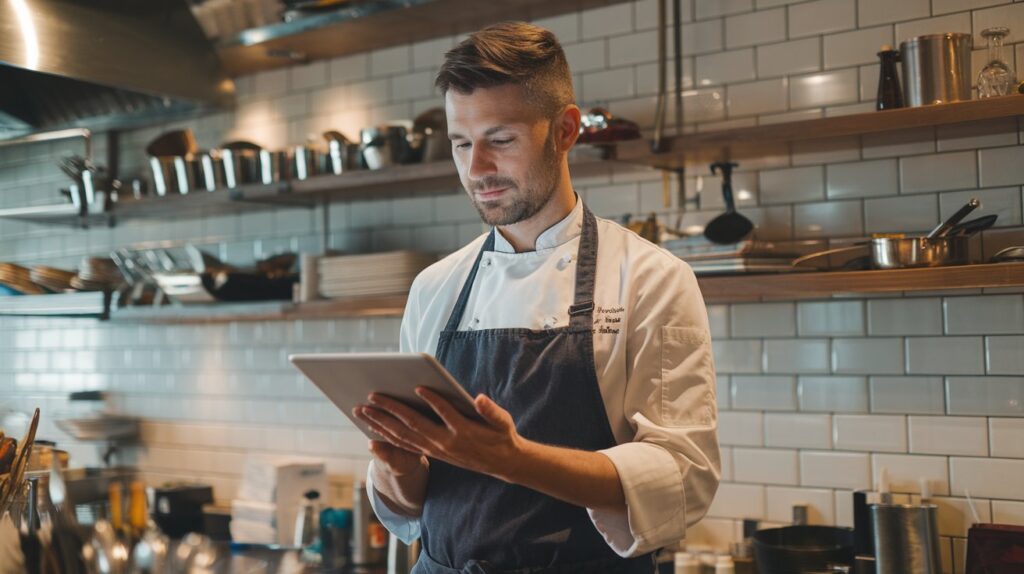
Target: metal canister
x=906 y=538
x=172 y=174
x=308 y=161
x=936 y=68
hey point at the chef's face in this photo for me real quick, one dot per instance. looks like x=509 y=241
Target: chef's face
x=506 y=152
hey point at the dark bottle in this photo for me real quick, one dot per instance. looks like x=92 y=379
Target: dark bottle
x=890 y=96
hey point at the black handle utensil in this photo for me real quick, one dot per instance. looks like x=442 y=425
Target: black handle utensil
x=976 y=225
x=943 y=229
x=730 y=226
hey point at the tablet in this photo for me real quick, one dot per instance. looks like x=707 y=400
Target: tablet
x=347 y=379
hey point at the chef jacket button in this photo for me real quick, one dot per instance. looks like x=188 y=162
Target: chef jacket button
x=564 y=261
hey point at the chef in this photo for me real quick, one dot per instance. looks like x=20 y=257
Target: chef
x=586 y=347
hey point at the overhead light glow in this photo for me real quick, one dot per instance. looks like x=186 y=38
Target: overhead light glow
x=28 y=33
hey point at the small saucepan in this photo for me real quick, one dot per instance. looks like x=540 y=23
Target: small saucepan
x=903 y=252
x=947 y=244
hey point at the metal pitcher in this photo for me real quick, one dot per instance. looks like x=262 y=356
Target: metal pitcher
x=936 y=68
x=906 y=538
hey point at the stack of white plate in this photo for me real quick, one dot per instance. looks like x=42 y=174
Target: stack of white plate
x=96 y=274
x=375 y=274
x=53 y=279
x=18 y=279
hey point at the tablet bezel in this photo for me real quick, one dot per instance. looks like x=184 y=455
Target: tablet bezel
x=390 y=378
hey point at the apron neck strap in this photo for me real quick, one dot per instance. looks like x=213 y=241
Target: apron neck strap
x=581 y=312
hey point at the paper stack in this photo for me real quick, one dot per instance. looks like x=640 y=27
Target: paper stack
x=269 y=498
x=369 y=275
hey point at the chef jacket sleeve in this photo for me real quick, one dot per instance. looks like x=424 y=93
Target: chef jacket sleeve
x=404 y=527
x=671 y=468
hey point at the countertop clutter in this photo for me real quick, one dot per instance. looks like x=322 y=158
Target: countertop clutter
x=285 y=518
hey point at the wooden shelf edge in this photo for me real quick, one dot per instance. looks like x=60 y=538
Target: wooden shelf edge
x=716 y=289
x=825 y=284
x=84 y=305
x=217 y=313
x=752 y=141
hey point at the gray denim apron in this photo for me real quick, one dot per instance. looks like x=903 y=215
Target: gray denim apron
x=473 y=523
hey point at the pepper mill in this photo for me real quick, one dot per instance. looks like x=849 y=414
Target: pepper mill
x=890 y=96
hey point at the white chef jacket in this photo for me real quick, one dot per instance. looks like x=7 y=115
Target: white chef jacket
x=652 y=352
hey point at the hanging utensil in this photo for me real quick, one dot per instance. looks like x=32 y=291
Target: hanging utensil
x=943 y=228
x=730 y=226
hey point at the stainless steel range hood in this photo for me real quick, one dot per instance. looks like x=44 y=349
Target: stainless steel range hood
x=103 y=64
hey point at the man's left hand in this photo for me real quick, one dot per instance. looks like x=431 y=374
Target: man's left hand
x=488 y=447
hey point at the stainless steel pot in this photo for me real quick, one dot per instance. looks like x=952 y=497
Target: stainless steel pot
x=430 y=130
x=211 y=169
x=245 y=163
x=936 y=68
x=307 y=161
x=172 y=174
x=385 y=146
x=889 y=253
x=241 y=165
x=344 y=154
x=274 y=166
x=905 y=252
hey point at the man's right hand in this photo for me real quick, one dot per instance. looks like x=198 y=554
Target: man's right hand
x=399 y=477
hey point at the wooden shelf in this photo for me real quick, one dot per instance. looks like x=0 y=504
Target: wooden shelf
x=387 y=306
x=716 y=289
x=220 y=202
x=825 y=284
x=88 y=305
x=371 y=26
x=758 y=141
x=392 y=182
x=420 y=179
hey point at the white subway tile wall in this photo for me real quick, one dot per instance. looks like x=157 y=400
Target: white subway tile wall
x=805 y=388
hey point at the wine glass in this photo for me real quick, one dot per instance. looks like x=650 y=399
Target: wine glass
x=996 y=78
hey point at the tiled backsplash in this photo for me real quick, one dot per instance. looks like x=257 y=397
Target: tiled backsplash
x=816 y=397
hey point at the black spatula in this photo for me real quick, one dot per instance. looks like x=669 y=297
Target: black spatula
x=730 y=226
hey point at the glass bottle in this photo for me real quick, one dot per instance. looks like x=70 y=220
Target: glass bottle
x=890 y=96
x=996 y=78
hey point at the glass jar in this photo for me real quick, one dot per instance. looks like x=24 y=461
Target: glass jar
x=996 y=78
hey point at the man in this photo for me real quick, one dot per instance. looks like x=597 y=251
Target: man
x=586 y=347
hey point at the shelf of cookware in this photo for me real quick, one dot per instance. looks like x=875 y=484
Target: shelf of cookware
x=439 y=177
x=385 y=183
x=716 y=289
x=221 y=202
x=358 y=27
x=702 y=148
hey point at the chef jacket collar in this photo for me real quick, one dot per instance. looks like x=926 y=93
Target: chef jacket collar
x=564 y=231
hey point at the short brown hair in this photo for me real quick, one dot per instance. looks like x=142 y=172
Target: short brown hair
x=510 y=53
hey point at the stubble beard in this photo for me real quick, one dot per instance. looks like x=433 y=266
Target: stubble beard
x=535 y=194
